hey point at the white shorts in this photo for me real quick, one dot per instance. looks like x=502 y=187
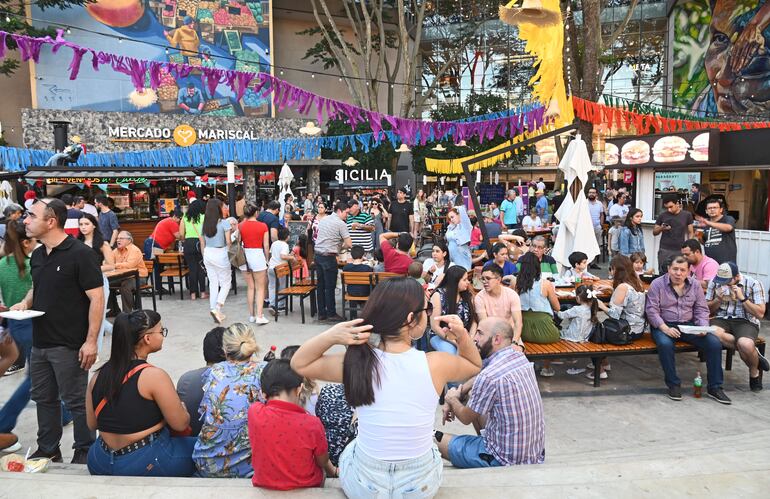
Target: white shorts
x=255 y=258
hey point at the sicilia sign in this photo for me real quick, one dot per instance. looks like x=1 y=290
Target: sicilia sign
x=182 y=135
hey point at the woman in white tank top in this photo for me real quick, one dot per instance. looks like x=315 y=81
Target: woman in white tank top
x=393 y=387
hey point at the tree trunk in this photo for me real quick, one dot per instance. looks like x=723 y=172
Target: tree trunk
x=590 y=64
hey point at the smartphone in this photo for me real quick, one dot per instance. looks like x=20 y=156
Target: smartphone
x=443 y=324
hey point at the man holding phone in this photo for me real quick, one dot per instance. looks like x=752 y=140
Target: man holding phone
x=675 y=226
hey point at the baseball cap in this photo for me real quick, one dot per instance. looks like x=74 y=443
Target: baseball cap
x=191 y=194
x=727 y=271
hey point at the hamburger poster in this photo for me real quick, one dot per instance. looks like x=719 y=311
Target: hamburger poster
x=698 y=148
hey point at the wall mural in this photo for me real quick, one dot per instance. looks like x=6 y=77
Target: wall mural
x=231 y=34
x=722 y=56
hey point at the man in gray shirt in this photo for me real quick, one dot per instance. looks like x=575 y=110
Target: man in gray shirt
x=332 y=237
x=190 y=384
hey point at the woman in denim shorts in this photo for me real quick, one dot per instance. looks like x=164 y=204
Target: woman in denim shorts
x=393 y=387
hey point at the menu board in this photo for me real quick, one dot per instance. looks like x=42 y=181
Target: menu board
x=698 y=148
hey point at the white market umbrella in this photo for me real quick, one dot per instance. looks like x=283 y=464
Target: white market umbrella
x=284 y=184
x=576 y=231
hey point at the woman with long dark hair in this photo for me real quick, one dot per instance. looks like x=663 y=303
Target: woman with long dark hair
x=133 y=404
x=538 y=302
x=92 y=237
x=15 y=283
x=191 y=232
x=631 y=236
x=394 y=388
x=452 y=297
x=434 y=267
x=215 y=242
x=627 y=300
x=458 y=237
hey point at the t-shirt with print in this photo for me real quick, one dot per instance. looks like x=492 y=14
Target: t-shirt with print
x=399 y=216
x=672 y=240
x=277 y=249
x=285 y=441
x=720 y=245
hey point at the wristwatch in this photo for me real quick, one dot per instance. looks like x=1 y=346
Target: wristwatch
x=745 y=299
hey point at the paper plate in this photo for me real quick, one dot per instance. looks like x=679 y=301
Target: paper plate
x=20 y=315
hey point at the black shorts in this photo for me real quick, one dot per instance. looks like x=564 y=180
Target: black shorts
x=739 y=328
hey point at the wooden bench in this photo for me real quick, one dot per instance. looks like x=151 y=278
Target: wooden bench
x=644 y=345
x=291 y=290
x=349 y=302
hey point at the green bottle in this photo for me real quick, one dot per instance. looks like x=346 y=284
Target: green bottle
x=696 y=385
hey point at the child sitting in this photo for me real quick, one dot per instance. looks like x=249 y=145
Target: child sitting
x=380 y=265
x=279 y=253
x=288 y=445
x=300 y=255
x=415 y=272
x=613 y=235
x=356 y=264
x=639 y=260
x=579 y=320
x=579 y=262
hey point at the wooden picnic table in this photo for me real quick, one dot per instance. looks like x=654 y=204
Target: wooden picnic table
x=603 y=286
x=115 y=277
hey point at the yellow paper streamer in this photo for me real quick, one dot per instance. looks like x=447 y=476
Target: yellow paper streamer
x=546 y=43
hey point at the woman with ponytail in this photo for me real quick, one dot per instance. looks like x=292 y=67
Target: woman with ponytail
x=393 y=387
x=229 y=388
x=134 y=404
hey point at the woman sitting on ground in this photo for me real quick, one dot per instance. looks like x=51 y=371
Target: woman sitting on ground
x=393 y=387
x=627 y=300
x=452 y=297
x=230 y=387
x=133 y=404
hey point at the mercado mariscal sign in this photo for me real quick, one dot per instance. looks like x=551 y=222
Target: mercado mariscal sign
x=182 y=135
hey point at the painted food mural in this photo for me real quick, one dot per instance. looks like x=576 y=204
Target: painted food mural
x=722 y=57
x=228 y=34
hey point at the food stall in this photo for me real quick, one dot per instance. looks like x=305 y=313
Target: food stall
x=141 y=195
x=733 y=164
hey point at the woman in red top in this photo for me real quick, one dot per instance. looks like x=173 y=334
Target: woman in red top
x=255 y=237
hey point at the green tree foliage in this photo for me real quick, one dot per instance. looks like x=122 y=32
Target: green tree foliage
x=13 y=19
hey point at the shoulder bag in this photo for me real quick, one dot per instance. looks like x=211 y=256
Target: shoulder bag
x=612 y=331
x=235 y=252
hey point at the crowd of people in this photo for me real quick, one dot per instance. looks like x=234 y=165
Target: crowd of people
x=422 y=341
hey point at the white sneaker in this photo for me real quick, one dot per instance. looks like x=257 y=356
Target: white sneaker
x=608 y=367
x=590 y=375
x=252 y=319
x=547 y=372
x=262 y=321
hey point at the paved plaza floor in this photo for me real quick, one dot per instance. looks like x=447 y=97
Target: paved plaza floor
x=625 y=438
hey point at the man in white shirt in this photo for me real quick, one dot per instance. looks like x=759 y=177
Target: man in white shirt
x=620 y=208
x=540 y=184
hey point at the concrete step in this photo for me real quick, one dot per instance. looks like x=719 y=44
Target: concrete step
x=737 y=471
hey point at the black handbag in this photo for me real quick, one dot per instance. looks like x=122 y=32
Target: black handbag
x=612 y=331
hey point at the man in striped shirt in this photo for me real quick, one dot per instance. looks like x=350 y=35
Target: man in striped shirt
x=360 y=227
x=506 y=395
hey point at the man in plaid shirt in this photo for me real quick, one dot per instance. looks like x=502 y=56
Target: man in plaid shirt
x=737 y=302
x=506 y=397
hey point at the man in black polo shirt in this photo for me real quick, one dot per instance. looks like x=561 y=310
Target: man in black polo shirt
x=67 y=286
x=401 y=213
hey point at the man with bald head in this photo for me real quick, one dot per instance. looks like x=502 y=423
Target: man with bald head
x=128 y=256
x=504 y=399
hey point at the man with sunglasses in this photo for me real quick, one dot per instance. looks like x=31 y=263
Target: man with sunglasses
x=498 y=300
x=67 y=286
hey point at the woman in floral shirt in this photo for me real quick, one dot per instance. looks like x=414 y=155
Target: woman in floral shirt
x=230 y=387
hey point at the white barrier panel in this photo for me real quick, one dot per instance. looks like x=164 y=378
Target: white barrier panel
x=754 y=254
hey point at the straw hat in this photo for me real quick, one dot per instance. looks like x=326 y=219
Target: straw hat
x=439 y=148
x=351 y=161
x=403 y=148
x=310 y=129
x=530 y=12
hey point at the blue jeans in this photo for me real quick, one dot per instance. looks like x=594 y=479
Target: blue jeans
x=710 y=345
x=364 y=477
x=326 y=273
x=470 y=451
x=439 y=344
x=164 y=456
x=21 y=332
